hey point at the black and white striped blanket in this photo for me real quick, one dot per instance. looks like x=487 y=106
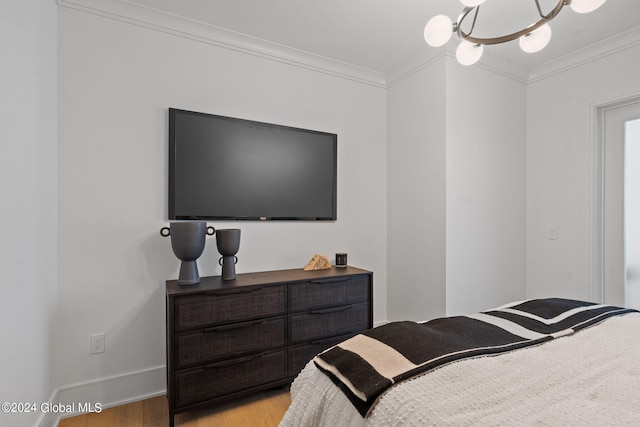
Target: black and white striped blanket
x=369 y=363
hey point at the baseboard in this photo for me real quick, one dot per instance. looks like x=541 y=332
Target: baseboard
x=103 y=393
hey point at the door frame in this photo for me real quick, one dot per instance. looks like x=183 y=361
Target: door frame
x=599 y=113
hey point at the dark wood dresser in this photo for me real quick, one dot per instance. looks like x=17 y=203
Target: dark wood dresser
x=226 y=339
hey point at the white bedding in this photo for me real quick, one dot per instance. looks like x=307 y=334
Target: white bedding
x=589 y=378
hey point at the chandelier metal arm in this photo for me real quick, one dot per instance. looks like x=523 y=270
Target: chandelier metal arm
x=539 y=9
x=457 y=27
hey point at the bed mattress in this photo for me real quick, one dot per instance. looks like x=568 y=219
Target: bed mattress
x=588 y=378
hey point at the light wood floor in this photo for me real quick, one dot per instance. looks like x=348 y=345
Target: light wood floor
x=264 y=409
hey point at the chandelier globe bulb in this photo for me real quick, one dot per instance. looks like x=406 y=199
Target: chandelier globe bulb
x=438 y=30
x=468 y=53
x=472 y=3
x=586 y=6
x=536 y=40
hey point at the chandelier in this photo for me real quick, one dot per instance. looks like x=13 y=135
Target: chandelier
x=533 y=38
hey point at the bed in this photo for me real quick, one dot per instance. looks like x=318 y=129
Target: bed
x=585 y=375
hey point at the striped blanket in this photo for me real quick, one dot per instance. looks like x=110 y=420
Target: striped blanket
x=369 y=363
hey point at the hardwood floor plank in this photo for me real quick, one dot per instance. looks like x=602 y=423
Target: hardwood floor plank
x=155 y=412
x=264 y=409
x=275 y=407
x=247 y=414
x=77 y=421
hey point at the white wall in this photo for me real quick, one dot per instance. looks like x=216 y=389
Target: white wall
x=439 y=194
x=456 y=167
x=28 y=194
x=116 y=82
x=560 y=170
x=486 y=134
x=416 y=194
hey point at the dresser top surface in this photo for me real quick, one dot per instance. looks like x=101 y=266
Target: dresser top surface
x=213 y=283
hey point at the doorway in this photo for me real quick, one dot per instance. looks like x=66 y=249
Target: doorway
x=618 y=204
x=632 y=211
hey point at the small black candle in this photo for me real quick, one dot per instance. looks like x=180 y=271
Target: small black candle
x=341 y=260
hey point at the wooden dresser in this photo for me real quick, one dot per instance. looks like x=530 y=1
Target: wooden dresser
x=226 y=339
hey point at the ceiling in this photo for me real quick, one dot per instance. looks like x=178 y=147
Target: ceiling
x=384 y=35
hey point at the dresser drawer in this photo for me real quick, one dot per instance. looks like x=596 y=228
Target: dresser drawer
x=229 y=339
x=228 y=306
x=300 y=355
x=321 y=323
x=328 y=292
x=203 y=345
x=229 y=376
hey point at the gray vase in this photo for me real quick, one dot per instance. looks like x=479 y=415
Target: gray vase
x=228 y=242
x=187 y=242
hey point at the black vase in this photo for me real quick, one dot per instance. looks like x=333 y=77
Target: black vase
x=187 y=242
x=228 y=245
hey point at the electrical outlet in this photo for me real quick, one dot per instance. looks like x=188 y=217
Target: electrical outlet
x=96 y=343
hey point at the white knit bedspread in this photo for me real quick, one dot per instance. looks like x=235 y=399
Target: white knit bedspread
x=591 y=378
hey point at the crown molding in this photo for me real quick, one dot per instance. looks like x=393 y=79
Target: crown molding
x=154 y=19
x=487 y=62
x=157 y=20
x=501 y=67
x=414 y=66
x=594 y=52
x=588 y=54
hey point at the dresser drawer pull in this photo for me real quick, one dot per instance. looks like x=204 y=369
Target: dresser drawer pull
x=331 y=310
x=318 y=282
x=235 y=326
x=231 y=362
x=235 y=291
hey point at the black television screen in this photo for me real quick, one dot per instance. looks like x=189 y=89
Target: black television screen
x=223 y=168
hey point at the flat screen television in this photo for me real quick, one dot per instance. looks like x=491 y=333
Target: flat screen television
x=224 y=168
